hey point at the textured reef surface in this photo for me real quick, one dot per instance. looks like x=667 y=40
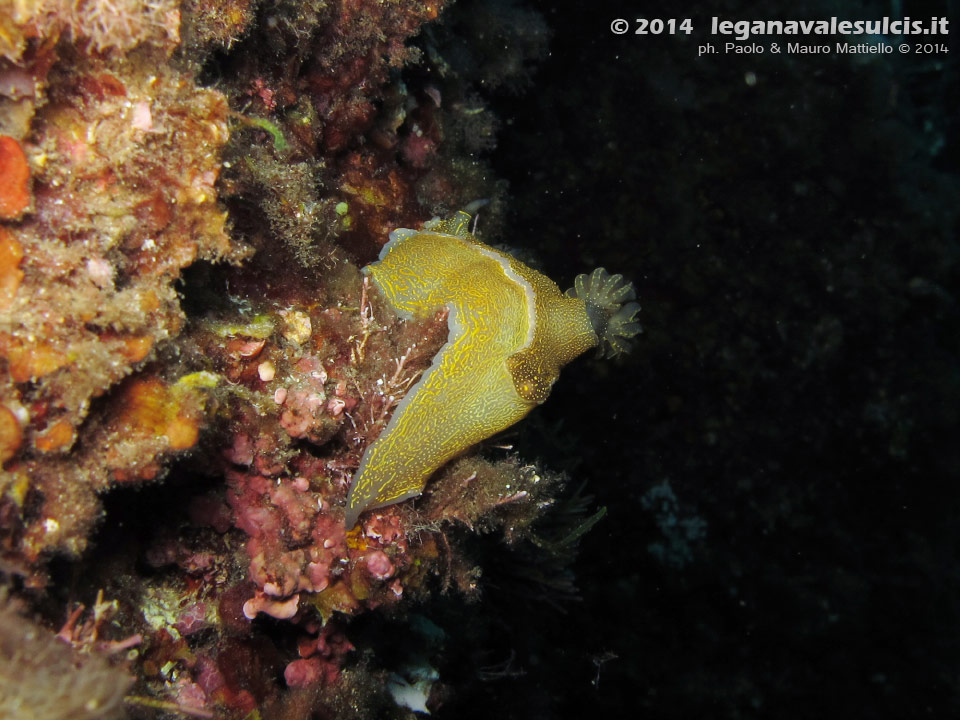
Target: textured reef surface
x=751 y=515
x=193 y=364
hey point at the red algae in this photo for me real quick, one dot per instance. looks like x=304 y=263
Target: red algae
x=14 y=179
x=287 y=367
x=125 y=157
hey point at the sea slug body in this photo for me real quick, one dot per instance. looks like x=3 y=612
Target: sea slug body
x=511 y=330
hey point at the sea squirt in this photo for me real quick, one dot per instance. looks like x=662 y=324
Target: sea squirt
x=511 y=330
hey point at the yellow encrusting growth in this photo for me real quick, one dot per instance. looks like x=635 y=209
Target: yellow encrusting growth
x=511 y=330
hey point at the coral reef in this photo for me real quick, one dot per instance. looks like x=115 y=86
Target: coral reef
x=123 y=161
x=96 y=25
x=304 y=391
x=190 y=351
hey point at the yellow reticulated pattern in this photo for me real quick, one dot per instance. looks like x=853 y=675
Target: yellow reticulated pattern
x=511 y=329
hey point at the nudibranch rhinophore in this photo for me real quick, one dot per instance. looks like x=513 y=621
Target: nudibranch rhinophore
x=511 y=330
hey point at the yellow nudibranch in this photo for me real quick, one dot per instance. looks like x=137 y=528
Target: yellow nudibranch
x=511 y=330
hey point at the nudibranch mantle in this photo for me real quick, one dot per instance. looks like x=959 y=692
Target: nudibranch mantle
x=510 y=331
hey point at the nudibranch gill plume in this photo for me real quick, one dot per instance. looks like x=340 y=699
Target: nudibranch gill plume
x=511 y=329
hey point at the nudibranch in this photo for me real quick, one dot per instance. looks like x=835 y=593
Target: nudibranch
x=511 y=329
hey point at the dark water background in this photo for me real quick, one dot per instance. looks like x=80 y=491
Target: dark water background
x=779 y=455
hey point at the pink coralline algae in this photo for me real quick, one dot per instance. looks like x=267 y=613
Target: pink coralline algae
x=291 y=545
x=182 y=316
x=321 y=657
x=280 y=609
x=298 y=547
x=302 y=412
x=193 y=619
x=379 y=565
